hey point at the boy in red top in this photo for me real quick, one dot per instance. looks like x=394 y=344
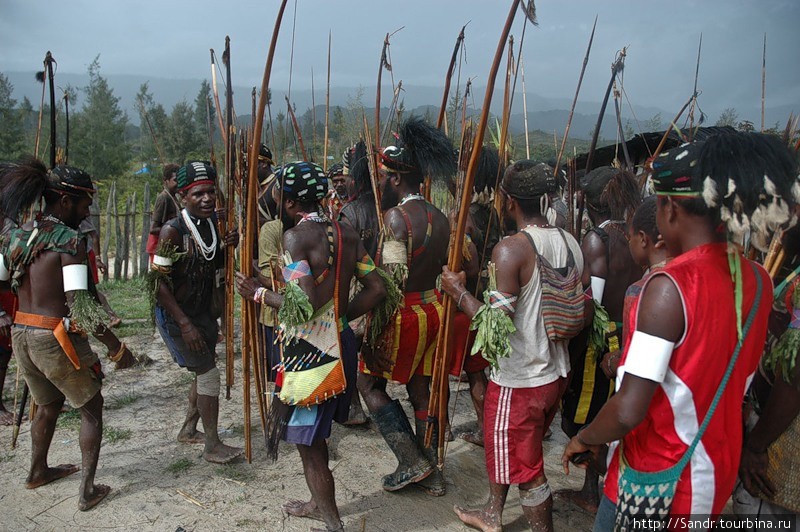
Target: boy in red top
x=685 y=326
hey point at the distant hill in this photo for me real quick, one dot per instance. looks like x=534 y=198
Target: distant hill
x=546 y=114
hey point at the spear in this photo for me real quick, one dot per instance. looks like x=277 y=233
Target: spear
x=152 y=133
x=327 y=107
x=228 y=135
x=296 y=129
x=384 y=62
x=694 y=92
x=313 y=119
x=449 y=76
x=216 y=94
x=66 y=127
x=620 y=131
x=455 y=258
x=616 y=68
x=525 y=108
x=251 y=226
x=575 y=99
x=48 y=62
x=763 y=80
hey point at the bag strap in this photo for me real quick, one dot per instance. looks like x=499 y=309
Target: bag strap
x=570 y=256
x=337 y=279
x=707 y=419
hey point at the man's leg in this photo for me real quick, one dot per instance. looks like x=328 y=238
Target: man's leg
x=588 y=497
x=90 y=437
x=42 y=428
x=393 y=425
x=490 y=517
x=6 y=417
x=419 y=393
x=208 y=406
x=537 y=504
x=189 y=432
x=321 y=485
x=477 y=391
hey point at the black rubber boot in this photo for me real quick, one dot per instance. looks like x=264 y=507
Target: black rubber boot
x=396 y=430
x=434 y=484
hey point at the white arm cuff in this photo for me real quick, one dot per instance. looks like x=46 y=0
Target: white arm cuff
x=158 y=260
x=5 y=275
x=648 y=356
x=76 y=277
x=598 y=285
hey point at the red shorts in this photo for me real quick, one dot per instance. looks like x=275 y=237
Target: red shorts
x=515 y=421
x=93 y=266
x=415 y=331
x=463 y=339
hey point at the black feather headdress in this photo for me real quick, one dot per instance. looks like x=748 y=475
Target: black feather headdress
x=22 y=183
x=356 y=165
x=420 y=150
x=486 y=176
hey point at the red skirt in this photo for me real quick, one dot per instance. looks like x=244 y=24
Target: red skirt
x=463 y=339
x=9 y=303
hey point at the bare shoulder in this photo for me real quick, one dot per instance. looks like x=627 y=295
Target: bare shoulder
x=593 y=245
x=661 y=310
x=170 y=234
x=511 y=250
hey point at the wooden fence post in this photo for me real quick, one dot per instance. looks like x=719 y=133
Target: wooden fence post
x=108 y=230
x=144 y=259
x=126 y=238
x=134 y=247
x=118 y=241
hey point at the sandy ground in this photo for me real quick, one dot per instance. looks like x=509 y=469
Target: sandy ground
x=161 y=485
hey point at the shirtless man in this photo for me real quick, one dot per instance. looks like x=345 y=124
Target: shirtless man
x=47 y=266
x=420 y=234
x=611 y=197
x=322 y=257
x=184 y=314
x=165 y=208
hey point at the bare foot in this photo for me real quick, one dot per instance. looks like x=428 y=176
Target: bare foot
x=303 y=509
x=548 y=435
x=99 y=492
x=222 y=454
x=51 y=474
x=6 y=417
x=478 y=519
x=580 y=499
x=194 y=436
x=116 y=321
x=355 y=416
x=474 y=437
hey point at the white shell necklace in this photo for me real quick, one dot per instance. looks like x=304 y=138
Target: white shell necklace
x=208 y=252
x=411 y=197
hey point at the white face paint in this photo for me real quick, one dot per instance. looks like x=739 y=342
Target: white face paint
x=76 y=277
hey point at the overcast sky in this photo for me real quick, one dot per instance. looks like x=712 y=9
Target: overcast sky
x=171 y=38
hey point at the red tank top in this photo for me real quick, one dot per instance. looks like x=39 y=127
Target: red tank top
x=698 y=363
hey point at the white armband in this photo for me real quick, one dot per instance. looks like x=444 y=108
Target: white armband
x=158 y=260
x=648 y=356
x=5 y=275
x=598 y=285
x=76 y=277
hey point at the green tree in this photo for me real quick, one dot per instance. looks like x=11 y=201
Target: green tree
x=181 y=142
x=204 y=109
x=98 y=143
x=729 y=117
x=654 y=123
x=12 y=132
x=150 y=142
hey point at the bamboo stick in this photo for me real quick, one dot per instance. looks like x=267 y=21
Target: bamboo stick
x=327 y=108
x=143 y=257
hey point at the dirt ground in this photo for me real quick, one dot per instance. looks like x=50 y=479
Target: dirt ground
x=161 y=485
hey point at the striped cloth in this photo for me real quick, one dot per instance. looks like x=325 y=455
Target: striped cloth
x=414 y=331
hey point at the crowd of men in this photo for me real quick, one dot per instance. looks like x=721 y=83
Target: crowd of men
x=644 y=333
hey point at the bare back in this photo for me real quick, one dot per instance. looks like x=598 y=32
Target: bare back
x=428 y=254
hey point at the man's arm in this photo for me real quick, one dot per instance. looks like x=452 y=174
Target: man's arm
x=372 y=293
x=157 y=216
x=660 y=325
x=507 y=261
x=191 y=335
x=594 y=259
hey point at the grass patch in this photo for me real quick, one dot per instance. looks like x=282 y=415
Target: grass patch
x=234 y=472
x=71 y=419
x=122 y=401
x=179 y=466
x=127 y=297
x=114 y=435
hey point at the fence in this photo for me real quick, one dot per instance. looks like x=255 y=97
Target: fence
x=130 y=255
